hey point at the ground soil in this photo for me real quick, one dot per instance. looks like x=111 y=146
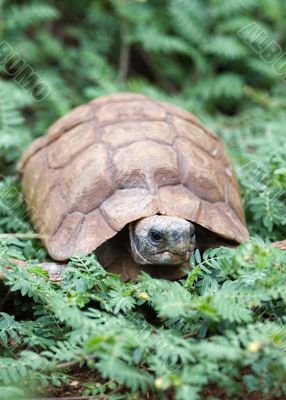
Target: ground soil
x=74 y=391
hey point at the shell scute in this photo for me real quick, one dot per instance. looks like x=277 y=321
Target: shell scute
x=86 y=181
x=197 y=135
x=77 y=116
x=63 y=151
x=51 y=214
x=124 y=133
x=178 y=201
x=131 y=110
x=200 y=173
x=128 y=205
x=67 y=234
x=94 y=231
x=145 y=164
x=33 y=173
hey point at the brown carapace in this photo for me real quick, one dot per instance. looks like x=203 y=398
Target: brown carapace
x=120 y=158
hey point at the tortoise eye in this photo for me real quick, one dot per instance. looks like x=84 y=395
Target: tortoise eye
x=156 y=236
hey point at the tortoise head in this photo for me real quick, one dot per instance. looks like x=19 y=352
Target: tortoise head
x=161 y=239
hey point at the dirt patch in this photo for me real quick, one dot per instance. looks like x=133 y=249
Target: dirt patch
x=75 y=390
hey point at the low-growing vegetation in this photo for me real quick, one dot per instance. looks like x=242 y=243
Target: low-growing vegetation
x=220 y=332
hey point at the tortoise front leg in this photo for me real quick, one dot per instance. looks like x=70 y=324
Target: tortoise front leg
x=281 y=244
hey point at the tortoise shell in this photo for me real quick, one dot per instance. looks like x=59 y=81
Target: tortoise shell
x=122 y=157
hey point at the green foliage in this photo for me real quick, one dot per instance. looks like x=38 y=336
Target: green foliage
x=229 y=319
x=13 y=135
x=224 y=325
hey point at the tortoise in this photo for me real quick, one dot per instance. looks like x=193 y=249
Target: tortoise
x=139 y=182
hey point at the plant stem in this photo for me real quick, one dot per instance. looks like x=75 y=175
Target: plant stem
x=72 y=363
x=26 y=235
x=124 y=56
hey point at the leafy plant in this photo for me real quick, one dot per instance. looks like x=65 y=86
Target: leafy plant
x=221 y=330
x=208 y=331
